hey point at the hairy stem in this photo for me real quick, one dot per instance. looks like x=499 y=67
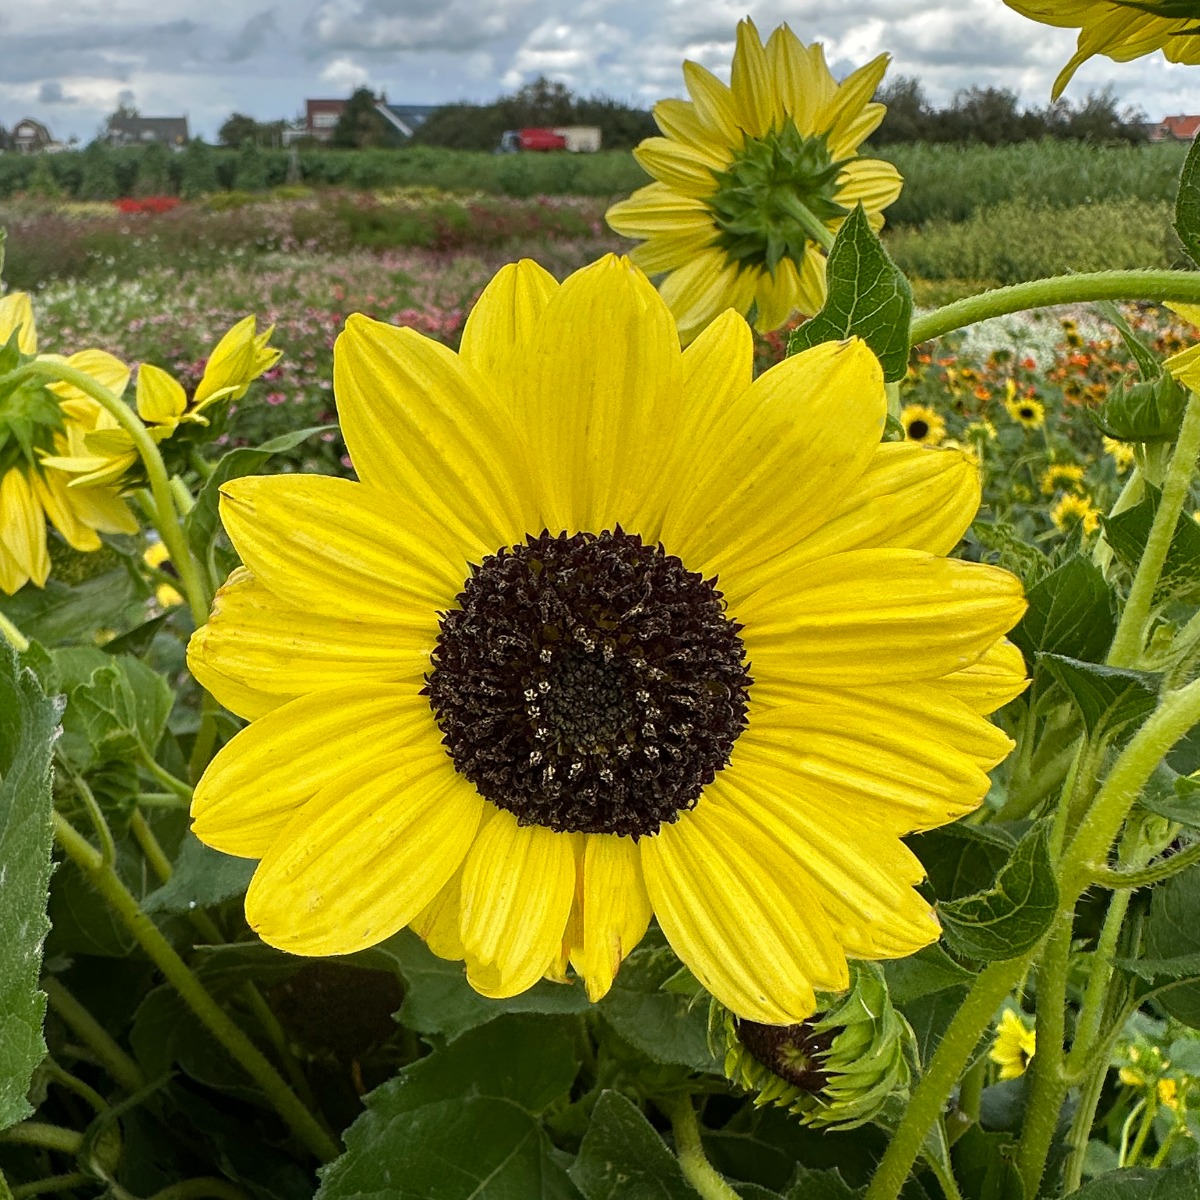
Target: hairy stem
x=81 y=1022
x=700 y=1173
x=240 y=1047
x=1155 y=285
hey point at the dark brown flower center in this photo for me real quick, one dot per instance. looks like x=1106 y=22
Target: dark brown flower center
x=589 y=684
x=793 y=1052
x=918 y=429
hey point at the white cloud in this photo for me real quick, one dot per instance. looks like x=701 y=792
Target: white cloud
x=345 y=74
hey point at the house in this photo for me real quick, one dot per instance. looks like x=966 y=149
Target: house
x=406 y=119
x=142 y=131
x=321 y=117
x=1175 y=129
x=29 y=136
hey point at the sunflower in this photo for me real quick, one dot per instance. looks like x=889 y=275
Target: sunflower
x=1062 y=477
x=606 y=631
x=35 y=419
x=158 y=558
x=1025 y=410
x=1015 y=1044
x=1122 y=454
x=1071 y=511
x=108 y=452
x=753 y=179
x=1120 y=29
x=922 y=424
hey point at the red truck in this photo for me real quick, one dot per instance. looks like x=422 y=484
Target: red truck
x=576 y=138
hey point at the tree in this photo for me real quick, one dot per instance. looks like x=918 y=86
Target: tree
x=238 y=128
x=360 y=125
x=154 y=171
x=199 y=174
x=99 y=180
x=909 y=116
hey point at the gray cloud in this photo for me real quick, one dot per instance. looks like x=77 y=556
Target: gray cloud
x=51 y=92
x=252 y=37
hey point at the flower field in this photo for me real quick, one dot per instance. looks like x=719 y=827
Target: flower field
x=670 y=676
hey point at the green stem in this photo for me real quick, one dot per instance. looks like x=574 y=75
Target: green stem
x=1139 y=1143
x=166 y=518
x=956 y=1047
x=944 y=1175
x=49 y=1137
x=1149 y=875
x=108 y=849
x=1131 y=630
x=53 y=1183
x=700 y=1173
x=1123 y=1145
x=81 y=1022
x=810 y=223
x=63 y=1077
x=206 y=737
x=164 y=776
x=1161 y=1157
x=1154 y=285
x=1047 y=1087
x=177 y=972
x=15 y=638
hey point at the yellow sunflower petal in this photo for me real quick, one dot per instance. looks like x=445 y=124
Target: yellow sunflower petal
x=733 y=909
x=106 y=370
x=656 y=209
x=773 y=466
x=102 y=509
x=503 y=319
x=57 y=499
x=907 y=758
x=877 y=616
x=517 y=887
x=998 y=677
x=421 y=422
x=255 y=643
x=844 y=116
x=755 y=96
x=717 y=368
x=345 y=549
x=160 y=396
x=23 y=526
x=867 y=181
x=679 y=167
x=860 y=875
x=909 y=496
x=794 y=78
x=439 y=922
x=16 y=313
x=364 y=856
x=714 y=103
x=679 y=121
x=616 y=910
x=262 y=777
x=777 y=296
x=813 y=286
x=12 y=577
x=602 y=399
x=703 y=289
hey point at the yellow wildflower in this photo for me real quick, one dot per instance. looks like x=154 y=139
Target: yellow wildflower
x=1014 y=1045
x=1076 y=510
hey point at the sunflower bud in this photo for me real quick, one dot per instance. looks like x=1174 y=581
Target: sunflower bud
x=835 y=1071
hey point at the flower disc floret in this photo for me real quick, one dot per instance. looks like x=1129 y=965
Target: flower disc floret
x=570 y=545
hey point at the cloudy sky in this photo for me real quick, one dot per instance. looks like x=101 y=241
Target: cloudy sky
x=70 y=62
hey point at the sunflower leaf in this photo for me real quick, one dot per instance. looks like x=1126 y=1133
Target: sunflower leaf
x=1138 y=1183
x=1187 y=203
x=465 y=1122
x=1105 y=696
x=1012 y=915
x=28 y=726
x=1128 y=532
x=869 y=297
x=1172 y=945
x=622 y=1155
x=1070 y=613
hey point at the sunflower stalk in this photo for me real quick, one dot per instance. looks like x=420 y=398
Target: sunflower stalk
x=165 y=517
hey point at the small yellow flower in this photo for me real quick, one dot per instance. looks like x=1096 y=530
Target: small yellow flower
x=1025 y=410
x=1119 y=29
x=1122 y=454
x=1185 y=366
x=751 y=180
x=922 y=424
x=1062 y=477
x=1168 y=1093
x=981 y=431
x=239 y=358
x=36 y=420
x=1076 y=510
x=1131 y=1077
x=157 y=557
x=1014 y=1046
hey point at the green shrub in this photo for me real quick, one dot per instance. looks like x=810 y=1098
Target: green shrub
x=1016 y=240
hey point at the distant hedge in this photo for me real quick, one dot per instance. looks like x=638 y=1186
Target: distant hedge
x=103 y=173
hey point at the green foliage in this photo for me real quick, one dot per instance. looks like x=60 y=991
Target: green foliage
x=154 y=174
x=1070 y=613
x=868 y=298
x=1024 y=239
x=622 y=1156
x=466 y=1121
x=1187 y=203
x=361 y=126
x=1108 y=698
x=1012 y=915
x=1127 y=533
x=27 y=729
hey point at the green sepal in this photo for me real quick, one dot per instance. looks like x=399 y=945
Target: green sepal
x=1011 y=916
x=869 y=297
x=1150 y=410
x=1149 y=366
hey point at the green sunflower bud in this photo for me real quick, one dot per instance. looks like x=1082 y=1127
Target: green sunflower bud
x=1148 y=411
x=836 y=1071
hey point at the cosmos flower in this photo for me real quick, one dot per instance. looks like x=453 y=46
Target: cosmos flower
x=606 y=631
x=753 y=179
